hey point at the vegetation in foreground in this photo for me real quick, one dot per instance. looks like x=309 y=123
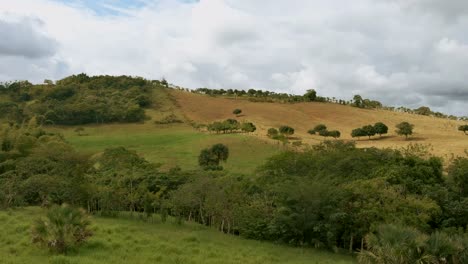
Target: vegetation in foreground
x=122 y=240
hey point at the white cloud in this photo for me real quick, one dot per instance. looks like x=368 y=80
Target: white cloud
x=400 y=52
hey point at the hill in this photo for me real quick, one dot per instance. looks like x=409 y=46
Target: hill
x=171 y=145
x=441 y=134
x=120 y=240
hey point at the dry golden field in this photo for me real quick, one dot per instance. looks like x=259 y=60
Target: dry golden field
x=441 y=134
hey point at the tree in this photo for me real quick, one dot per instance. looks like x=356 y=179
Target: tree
x=380 y=128
x=334 y=134
x=248 y=127
x=63 y=228
x=318 y=128
x=463 y=128
x=210 y=158
x=286 y=130
x=458 y=172
x=221 y=151
x=358 y=101
x=423 y=110
x=358 y=132
x=310 y=95
x=369 y=131
x=237 y=111
x=404 y=129
x=272 y=132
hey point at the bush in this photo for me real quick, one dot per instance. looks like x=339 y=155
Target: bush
x=286 y=130
x=170 y=119
x=272 y=132
x=63 y=228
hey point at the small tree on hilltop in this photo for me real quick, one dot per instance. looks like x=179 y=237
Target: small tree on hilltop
x=286 y=130
x=463 y=128
x=63 y=228
x=310 y=95
x=380 y=128
x=404 y=129
x=237 y=111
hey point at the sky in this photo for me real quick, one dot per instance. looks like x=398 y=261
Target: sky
x=401 y=52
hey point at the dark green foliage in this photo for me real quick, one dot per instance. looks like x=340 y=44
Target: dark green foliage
x=405 y=245
x=463 y=128
x=310 y=95
x=286 y=130
x=272 y=132
x=231 y=126
x=405 y=129
x=358 y=132
x=334 y=133
x=209 y=159
x=358 y=101
x=458 y=172
x=248 y=127
x=380 y=128
x=369 y=130
x=62 y=229
x=317 y=129
x=80 y=99
x=423 y=110
x=237 y=111
x=169 y=119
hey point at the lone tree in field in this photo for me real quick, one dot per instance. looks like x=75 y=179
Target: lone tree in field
x=463 y=128
x=286 y=130
x=63 y=228
x=210 y=158
x=380 y=128
x=237 y=111
x=404 y=129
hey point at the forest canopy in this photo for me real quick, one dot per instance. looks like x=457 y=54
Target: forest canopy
x=78 y=99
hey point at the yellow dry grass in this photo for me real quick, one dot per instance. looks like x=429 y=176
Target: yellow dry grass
x=441 y=134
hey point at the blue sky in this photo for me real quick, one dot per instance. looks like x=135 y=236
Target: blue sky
x=111 y=7
x=103 y=7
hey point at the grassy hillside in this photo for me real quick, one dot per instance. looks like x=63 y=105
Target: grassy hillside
x=132 y=241
x=442 y=134
x=171 y=145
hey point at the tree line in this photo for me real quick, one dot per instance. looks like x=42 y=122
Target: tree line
x=78 y=99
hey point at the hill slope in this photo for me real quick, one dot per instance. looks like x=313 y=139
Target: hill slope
x=442 y=134
x=132 y=241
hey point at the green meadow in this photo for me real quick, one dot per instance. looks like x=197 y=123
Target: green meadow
x=125 y=240
x=174 y=145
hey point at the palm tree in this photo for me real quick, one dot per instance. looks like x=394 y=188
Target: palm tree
x=63 y=228
x=394 y=245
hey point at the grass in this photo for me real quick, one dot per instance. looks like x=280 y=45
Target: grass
x=118 y=240
x=174 y=145
x=170 y=145
x=441 y=134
